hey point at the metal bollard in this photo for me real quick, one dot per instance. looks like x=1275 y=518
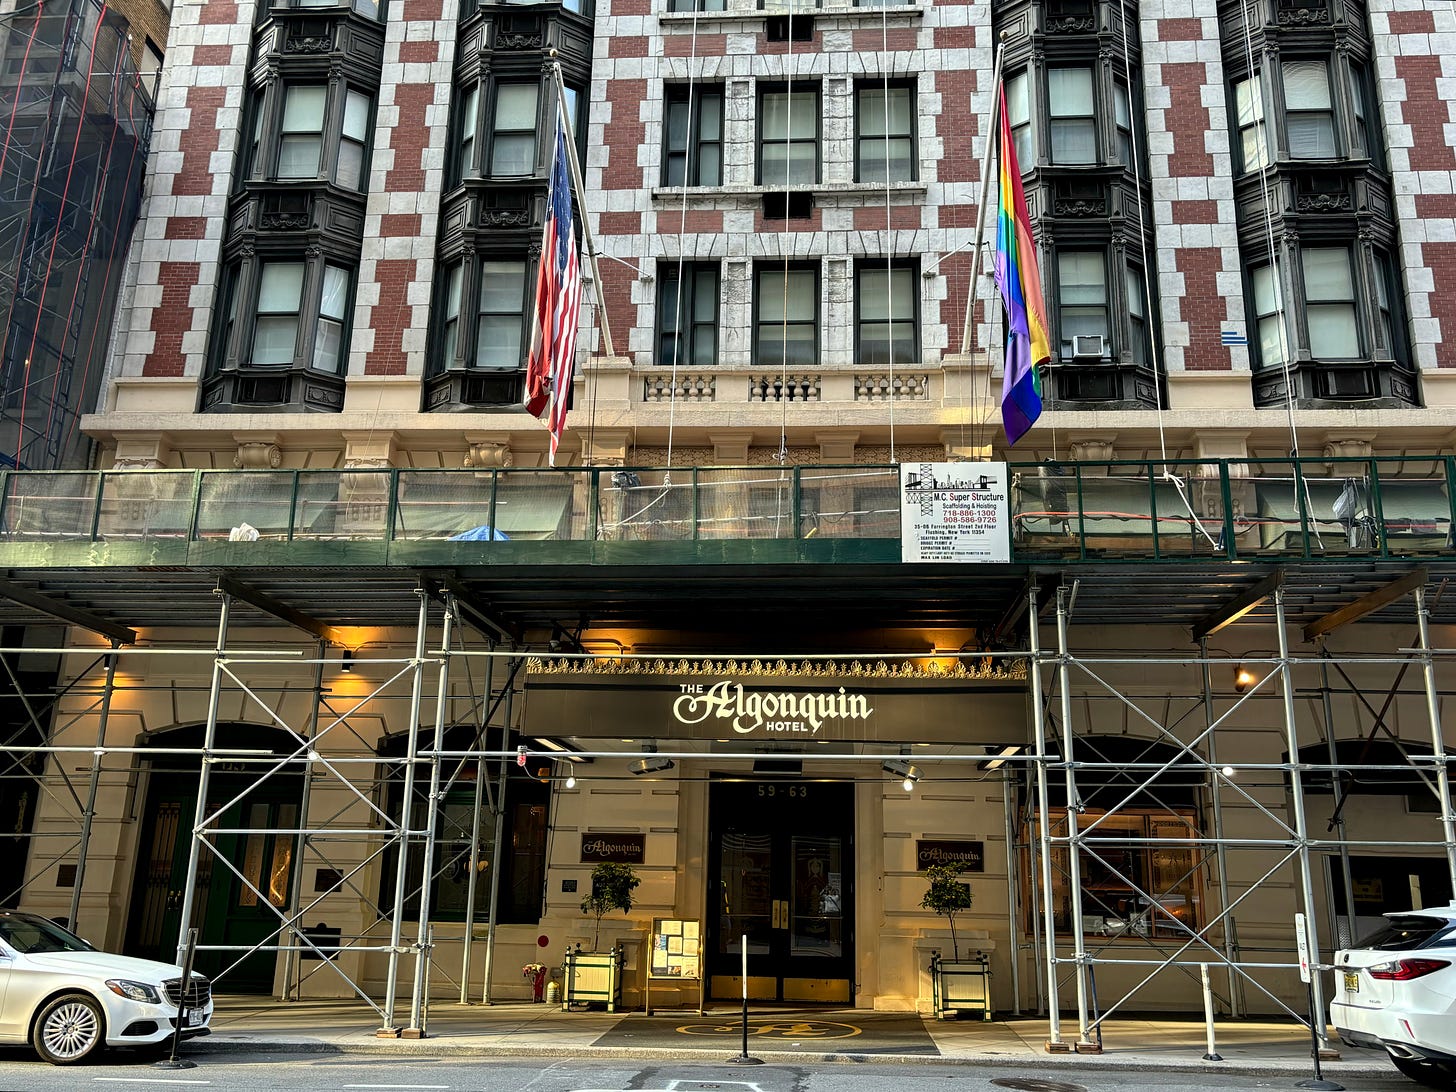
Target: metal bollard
x=1212 y=1055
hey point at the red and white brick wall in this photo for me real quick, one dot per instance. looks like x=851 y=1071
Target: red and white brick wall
x=1200 y=284
x=162 y=327
x=406 y=178
x=1415 y=67
x=944 y=48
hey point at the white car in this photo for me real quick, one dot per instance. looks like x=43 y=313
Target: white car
x=1396 y=991
x=67 y=999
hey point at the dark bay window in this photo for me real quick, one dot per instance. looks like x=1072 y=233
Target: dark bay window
x=786 y=315
x=1083 y=317
x=512 y=131
x=884 y=132
x=500 y=331
x=788 y=136
x=275 y=325
x=1329 y=289
x=1309 y=110
x=693 y=134
x=886 y=330
x=1083 y=113
x=1071 y=105
x=318 y=132
x=687 y=314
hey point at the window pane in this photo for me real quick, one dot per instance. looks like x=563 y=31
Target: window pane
x=1134 y=281
x=350 y=174
x=795 y=115
x=873 y=110
x=1311 y=136
x=328 y=346
x=274 y=339
x=1265 y=300
x=303 y=109
x=515 y=106
x=281 y=287
x=1327 y=275
x=1332 y=330
x=1069 y=92
x=1018 y=101
x=356 y=116
x=1306 y=85
x=502 y=286
x=498 y=342
x=336 y=292
x=1081 y=275
x=298 y=157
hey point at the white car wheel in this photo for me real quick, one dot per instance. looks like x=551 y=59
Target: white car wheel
x=68 y=1029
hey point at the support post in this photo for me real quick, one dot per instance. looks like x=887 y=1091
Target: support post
x=194 y=849
x=1054 y=1018
x=416 y=1029
x=500 y=833
x=84 y=848
x=1337 y=790
x=412 y=749
x=1013 y=930
x=480 y=773
x=1301 y=829
x=1074 y=849
x=1438 y=743
x=1220 y=850
x=292 y=959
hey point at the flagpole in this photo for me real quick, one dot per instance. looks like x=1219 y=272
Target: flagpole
x=574 y=168
x=981 y=210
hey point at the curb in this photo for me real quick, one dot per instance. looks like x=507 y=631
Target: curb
x=216 y=1045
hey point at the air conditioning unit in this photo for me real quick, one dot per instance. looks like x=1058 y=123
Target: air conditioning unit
x=1089 y=347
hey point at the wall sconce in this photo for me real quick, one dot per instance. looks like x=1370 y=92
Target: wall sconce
x=1243 y=678
x=652 y=763
x=571 y=781
x=346 y=662
x=904 y=768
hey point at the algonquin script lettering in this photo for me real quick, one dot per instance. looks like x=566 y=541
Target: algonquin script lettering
x=753 y=711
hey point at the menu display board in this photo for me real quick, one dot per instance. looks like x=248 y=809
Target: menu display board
x=675 y=949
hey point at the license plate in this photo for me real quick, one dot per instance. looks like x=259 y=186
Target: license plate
x=1352 y=981
x=196 y=1018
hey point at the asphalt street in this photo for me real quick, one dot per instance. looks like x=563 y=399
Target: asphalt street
x=262 y=1072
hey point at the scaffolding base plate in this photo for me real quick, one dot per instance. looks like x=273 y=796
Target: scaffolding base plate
x=1058 y=1048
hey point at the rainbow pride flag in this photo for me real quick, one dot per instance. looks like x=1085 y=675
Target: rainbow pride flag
x=1019 y=283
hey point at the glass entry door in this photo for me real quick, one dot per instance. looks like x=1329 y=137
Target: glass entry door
x=780 y=873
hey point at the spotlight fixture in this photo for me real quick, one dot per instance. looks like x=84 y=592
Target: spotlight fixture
x=652 y=762
x=903 y=768
x=346 y=662
x=1229 y=771
x=571 y=781
x=1243 y=678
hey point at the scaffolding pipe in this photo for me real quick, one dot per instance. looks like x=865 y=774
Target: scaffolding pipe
x=194 y=848
x=1013 y=885
x=1033 y=871
x=89 y=815
x=1220 y=850
x=480 y=780
x=295 y=880
x=498 y=837
x=1438 y=742
x=1054 y=1017
x=1338 y=794
x=1301 y=830
x=432 y=806
x=1074 y=851
x=412 y=748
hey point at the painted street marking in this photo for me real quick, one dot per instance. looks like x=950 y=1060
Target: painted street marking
x=415 y=1086
x=148 y=1080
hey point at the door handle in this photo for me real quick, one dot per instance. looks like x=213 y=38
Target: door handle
x=781 y=913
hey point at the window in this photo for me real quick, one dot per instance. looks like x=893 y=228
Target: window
x=1249 y=111
x=280 y=297
x=1269 y=313
x=788 y=138
x=1072 y=106
x=1130 y=888
x=1082 y=297
x=513 y=130
x=786 y=315
x=1329 y=290
x=884 y=133
x=465 y=144
x=520 y=858
x=301 y=137
x=329 y=341
x=450 y=315
x=150 y=68
x=885 y=331
x=498 y=338
x=693 y=130
x=1123 y=107
x=1366 y=143
x=696 y=5
x=687 y=319
x=1388 y=298
x=353 y=140
x=1018 y=115
x=1137 y=316
x=1309 y=111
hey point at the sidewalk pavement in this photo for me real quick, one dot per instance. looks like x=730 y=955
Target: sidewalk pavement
x=520 y=1029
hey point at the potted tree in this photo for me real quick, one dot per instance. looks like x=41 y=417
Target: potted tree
x=959 y=986
x=596 y=976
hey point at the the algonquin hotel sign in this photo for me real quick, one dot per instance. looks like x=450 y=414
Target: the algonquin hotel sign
x=755 y=702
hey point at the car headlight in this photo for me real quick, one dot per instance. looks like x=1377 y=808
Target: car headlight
x=133 y=991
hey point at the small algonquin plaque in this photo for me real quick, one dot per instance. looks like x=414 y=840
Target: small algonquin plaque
x=971 y=856
x=616 y=847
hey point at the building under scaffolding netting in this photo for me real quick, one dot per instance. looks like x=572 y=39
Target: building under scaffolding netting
x=75 y=122
x=368 y=756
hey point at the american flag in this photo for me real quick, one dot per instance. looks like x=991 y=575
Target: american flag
x=558 y=305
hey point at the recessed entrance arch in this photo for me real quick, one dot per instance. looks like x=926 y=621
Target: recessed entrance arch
x=225 y=910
